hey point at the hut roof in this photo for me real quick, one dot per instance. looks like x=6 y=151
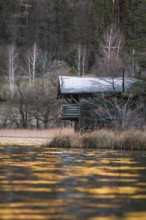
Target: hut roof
x=88 y=85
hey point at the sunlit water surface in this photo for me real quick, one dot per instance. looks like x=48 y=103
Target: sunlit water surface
x=72 y=184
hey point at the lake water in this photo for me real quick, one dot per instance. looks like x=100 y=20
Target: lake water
x=72 y=184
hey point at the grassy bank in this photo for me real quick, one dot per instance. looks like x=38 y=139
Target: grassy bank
x=103 y=139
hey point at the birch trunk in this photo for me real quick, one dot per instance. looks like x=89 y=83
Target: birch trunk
x=12 y=65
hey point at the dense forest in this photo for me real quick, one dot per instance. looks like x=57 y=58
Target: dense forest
x=41 y=39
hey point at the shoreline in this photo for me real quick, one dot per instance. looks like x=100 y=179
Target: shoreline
x=5 y=141
x=24 y=137
x=129 y=139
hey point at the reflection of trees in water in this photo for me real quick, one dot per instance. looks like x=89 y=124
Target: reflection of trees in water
x=72 y=184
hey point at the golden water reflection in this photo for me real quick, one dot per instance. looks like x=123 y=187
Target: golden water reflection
x=41 y=183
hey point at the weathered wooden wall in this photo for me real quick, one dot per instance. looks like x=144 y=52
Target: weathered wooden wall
x=69 y=112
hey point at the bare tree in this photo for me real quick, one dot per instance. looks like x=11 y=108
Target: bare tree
x=19 y=106
x=45 y=60
x=81 y=60
x=119 y=113
x=44 y=106
x=32 y=107
x=110 y=62
x=31 y=62
x=110 y=66
x=113 y=40
x=12 y=65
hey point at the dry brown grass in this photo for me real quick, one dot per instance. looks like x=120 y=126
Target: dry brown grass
x=31 y=137
x=104 y=139
x=47 y=133
x=130 y=139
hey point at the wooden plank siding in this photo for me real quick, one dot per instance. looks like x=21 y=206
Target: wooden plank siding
x=69 y=112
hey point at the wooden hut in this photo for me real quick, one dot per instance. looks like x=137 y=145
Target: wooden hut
x=76 y=95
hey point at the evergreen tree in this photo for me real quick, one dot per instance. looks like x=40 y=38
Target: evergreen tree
x=134 y=26
x=103 y=16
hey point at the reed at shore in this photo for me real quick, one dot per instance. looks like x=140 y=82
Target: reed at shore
x=130 y=139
